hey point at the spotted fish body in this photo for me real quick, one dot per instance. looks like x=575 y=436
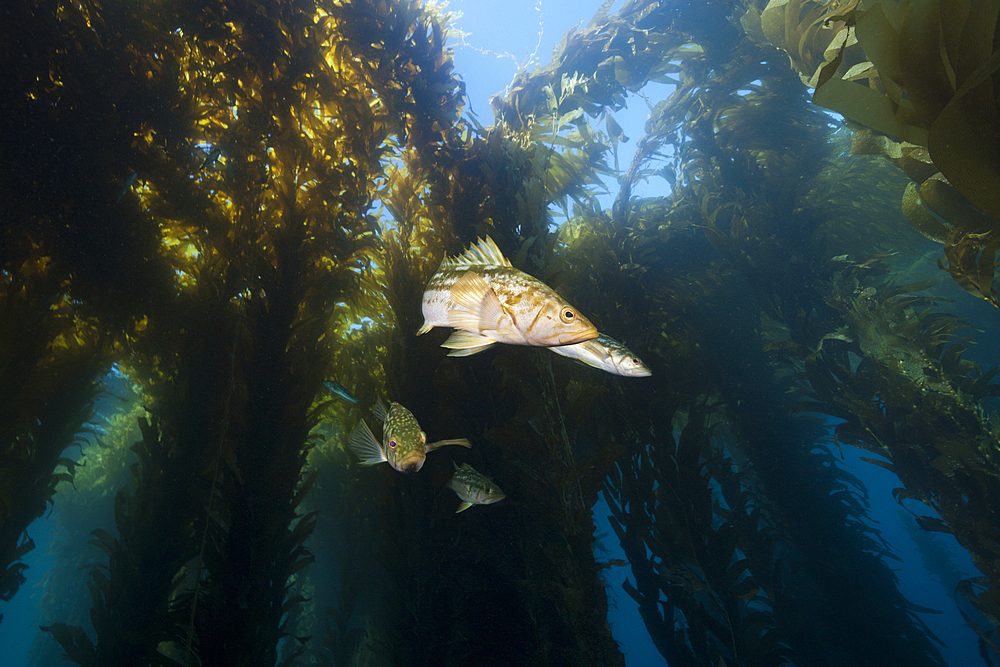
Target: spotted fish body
x=405 y=446
x=488 y=301
x=606 y=354
x=473 y=487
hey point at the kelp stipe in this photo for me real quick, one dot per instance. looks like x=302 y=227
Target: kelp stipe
x=919 y=406
x=663 y=499
x=50 y=360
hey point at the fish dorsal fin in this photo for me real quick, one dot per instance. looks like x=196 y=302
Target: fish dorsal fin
x=483 y=252
x=379 y=410
x=363 y=443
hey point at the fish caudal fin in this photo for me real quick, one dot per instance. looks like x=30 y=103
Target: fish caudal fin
x=464 y=506
x=379 y=409
x=462 y=442
x=363 y=443
x=478 y=308
x=465 y=343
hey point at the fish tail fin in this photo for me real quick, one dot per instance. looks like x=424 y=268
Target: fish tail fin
x=462 y=442
x=364 y=444
x=465 y=343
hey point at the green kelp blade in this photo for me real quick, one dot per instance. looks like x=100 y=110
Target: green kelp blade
x=960 y=145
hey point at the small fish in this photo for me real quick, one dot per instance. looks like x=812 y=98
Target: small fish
x=681 y=576
x=406 y=445
x=210 y=158
x=473 y=487
x=337 y=389
x=606 y=354
x=488 y=301
x=128 y=183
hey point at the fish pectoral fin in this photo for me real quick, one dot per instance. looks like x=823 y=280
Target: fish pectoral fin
x=478 y=307
x=462 y=442
x=465 y=343
x=464 y=506
x=363 y=443
x=600 y=365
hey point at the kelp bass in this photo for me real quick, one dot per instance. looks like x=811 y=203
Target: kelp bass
x=488 y=301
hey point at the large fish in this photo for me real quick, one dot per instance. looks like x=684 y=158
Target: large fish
x=489 y=301
x=473 y=487
x=405 y=444
x=607 y=354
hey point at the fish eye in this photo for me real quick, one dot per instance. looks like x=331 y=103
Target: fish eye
x=392 y=444
x=489 y=490
x=635 y=361
x=567 y=315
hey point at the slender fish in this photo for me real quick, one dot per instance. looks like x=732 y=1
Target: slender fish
x=606 y=354
x=406 y=445
x=488 y=301
x=338 y=389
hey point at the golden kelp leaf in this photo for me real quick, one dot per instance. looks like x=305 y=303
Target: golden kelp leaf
x=965 y=139
x=939 y=196
x=934 y=64
x=971 y=262
x=920 y=218
x=914 y=160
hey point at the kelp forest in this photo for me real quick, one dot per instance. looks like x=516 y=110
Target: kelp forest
x=210 y=209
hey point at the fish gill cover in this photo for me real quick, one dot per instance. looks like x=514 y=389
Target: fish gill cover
x=231 y=203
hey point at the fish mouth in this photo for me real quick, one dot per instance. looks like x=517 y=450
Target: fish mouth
x=638 y=372
x=577 y=336
x=411 y=463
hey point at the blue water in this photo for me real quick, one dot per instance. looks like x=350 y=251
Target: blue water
x=18 y=627
x=961 y=643
x=914 y=583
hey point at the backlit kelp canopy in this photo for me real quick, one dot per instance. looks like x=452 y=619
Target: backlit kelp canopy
x=920 y=77
x=210 y=208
